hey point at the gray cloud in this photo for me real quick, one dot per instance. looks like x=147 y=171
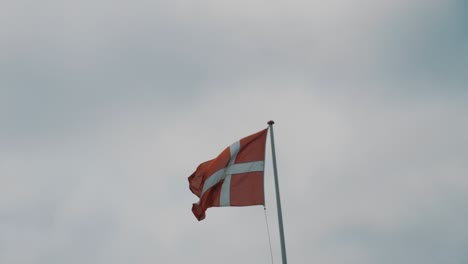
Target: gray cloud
x=106 y=107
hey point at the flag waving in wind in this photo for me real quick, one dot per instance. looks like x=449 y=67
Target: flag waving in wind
x=234 y=178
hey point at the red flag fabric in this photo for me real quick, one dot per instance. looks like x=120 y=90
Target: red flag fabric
x=234 y=178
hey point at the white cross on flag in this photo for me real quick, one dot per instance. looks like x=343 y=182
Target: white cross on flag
x=234 y=178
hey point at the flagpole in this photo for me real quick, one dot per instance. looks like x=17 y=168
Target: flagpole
x=278 y=200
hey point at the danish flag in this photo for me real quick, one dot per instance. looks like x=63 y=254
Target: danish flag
x=234 y=178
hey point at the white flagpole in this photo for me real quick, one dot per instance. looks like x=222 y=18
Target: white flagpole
x=278 y=200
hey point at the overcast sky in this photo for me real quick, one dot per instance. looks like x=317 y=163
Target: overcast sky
x=106 y=107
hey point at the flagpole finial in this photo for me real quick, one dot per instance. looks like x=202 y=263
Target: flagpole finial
x=271 y=122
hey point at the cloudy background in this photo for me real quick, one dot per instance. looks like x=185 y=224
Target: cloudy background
x=106 y=107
